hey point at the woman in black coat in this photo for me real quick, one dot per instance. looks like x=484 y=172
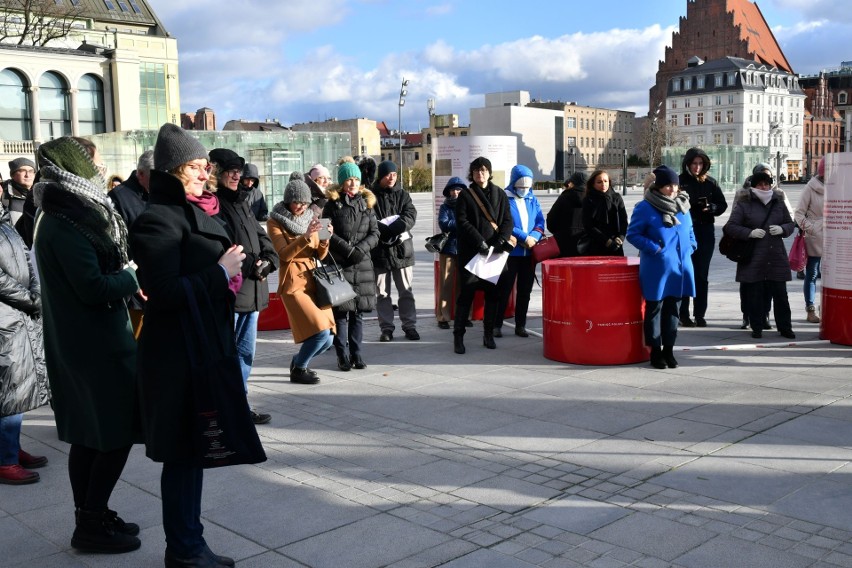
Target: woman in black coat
x=177 y=238
x=476 y=235
x=604 y=217
x=565 y=218
x=356 y=233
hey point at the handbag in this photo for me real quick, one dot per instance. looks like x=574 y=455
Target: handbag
x=332 y=289
x=513 y=240
x=798 y=253
x=545 y=249
x=584 y=244
x=740 y=250
x=436 y=243
x=222 y=429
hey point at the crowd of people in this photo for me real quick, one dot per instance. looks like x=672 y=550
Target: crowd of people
x=127 y=268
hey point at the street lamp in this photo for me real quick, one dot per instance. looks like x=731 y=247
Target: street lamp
x=402 y=93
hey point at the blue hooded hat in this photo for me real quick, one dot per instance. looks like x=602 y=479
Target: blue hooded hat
x=519 y=172
x=453 y=183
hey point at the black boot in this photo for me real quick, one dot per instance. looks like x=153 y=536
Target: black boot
x=343 y=363
x=458 y=341
x=96 y=532
x=668 y=357
x=488 y=340
x=657 y=360
x=205 y=559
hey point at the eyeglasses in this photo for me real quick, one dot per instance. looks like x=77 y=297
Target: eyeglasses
x=197 y=169
x=234 y=173
x=482 y=170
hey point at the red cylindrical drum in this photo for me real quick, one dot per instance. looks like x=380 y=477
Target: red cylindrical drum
x=593 y=310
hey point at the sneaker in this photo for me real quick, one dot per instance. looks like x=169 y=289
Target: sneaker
x=302 y=377
x=700 y=322
x=96 y=532
x=444 y=325
x=386 y=336
x=412 y=335
x=16 y=475
x=30 y=461
x=261 y=417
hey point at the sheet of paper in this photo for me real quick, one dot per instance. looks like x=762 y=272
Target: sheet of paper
x=488 y=267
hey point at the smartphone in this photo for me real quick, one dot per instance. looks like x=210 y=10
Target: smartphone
x=324 y=233
x=704 y=202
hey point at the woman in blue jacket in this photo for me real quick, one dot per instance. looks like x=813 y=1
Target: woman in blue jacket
x=448 y=258
x=661 y=228
x=528 y=228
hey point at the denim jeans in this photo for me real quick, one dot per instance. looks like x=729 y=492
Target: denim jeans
x=350 y=332
x=811 y=273
x=660 y=326
x=311 y=347
x=10 y=438
x=180 y=486
x=245 y=332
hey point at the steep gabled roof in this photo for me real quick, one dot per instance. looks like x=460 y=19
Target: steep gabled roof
x=755 y=30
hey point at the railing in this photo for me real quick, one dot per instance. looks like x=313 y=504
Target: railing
x=17 y=147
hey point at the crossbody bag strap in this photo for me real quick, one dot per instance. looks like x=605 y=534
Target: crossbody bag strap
x=765 y=219
x=488 y=216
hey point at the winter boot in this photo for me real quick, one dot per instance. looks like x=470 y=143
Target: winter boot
x=668 y=357
x=458 y=341
x=657 y=360
x=97 y=532
x=812 y=315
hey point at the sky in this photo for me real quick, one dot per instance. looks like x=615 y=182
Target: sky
x=301 y=61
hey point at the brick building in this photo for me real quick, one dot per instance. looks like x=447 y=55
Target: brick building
x=822 y=125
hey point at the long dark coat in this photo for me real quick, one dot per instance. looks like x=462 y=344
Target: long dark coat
x=23 y=378
x=88 y=342
x=393 y=253
x=473 y=227
x=246 y=231
x=604 y=218
x=170 y=240
x=355 y=235
x=565 y=220
x=769 y=261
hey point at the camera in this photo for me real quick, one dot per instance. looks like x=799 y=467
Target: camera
x=261 y=270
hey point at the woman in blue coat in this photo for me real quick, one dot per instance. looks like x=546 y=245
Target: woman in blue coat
x=527 y=228
x=661 y=228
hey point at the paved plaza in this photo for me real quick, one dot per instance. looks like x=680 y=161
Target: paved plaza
x=740 y=457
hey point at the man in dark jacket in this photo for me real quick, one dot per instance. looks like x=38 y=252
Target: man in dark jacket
x=16 y=188
x=706 y=202
x=256 y=200
x=261 y=258
x=393 y=259
x=131 y=197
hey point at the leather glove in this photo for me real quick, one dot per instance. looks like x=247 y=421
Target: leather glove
x=263 y=270
x=775 y=230
x=757 y=234
x=356 y=255
x=483 y=248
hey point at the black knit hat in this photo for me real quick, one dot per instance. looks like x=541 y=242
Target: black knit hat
x=579 y=179
x=297 y=191
x=174 y=147
x=19 y=163
x=226 y=159
x=385 y=168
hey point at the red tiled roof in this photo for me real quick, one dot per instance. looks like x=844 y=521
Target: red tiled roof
x=754 y=30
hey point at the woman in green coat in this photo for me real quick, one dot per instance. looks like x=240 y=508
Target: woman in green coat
x=81 y=252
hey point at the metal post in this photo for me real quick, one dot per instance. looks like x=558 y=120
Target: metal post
x=573 y=161
x=778 y=165
x=402 y=93
x=624 y=173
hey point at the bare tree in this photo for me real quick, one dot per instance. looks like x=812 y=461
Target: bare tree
x=36 y=22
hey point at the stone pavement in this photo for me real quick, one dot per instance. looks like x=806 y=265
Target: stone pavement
x=741 y=457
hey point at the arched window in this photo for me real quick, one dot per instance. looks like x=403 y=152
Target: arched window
x=53 y=106
x=90 y=105
x=842 y=98
x=15 y=118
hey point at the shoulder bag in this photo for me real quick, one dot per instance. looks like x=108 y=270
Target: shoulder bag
x=545 y=249
x=222 y=428
x=332 y=289
x=436 y=243
x=740 y=250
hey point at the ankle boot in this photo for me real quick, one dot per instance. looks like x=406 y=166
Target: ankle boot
x=812 y=315
x=458 y=342
x=96 y=532
x=668 y=357
x=657 y=360
x=488 y=340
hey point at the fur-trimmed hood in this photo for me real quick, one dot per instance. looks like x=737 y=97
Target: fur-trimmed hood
x=333 y=194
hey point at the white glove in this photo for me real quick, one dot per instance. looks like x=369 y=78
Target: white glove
x=757 y=234
x=775 y=230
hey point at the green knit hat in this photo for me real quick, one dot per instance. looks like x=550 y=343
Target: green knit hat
x=348 y=170
x=69 y=155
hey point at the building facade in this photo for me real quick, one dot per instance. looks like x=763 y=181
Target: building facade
x=115 y=69
x=362 y=132
x=838 y=82
x=738 y=102
x=823 y=131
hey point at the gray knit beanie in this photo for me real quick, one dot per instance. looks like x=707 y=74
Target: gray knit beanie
x=19 y=163
x=175 y=147
x=297 y=191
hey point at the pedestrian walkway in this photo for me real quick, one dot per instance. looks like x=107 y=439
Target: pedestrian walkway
x=740 y=457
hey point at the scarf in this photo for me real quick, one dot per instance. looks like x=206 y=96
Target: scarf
x=292 y=224
x=84 y=204
x=669 y=207
x=763 y=195
x=207 y=202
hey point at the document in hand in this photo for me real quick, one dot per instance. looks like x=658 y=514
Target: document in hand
x=405 y=235
x=488 y=267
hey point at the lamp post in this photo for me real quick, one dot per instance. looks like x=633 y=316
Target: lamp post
x=402 y=93
x=573 y=160
x=624 y=173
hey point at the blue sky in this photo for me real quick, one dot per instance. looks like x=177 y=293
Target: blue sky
x=299 y=61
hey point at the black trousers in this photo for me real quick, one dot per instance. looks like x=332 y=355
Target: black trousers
x=705 y=237
x=468 y=285
x=661 y=319
x=522 y=269
x=758 y=293
x=93 y=475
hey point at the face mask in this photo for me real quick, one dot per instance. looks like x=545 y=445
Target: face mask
x=522 y=191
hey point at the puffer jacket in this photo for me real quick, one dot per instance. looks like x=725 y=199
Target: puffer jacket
x=769 y=261
x=701 y=187
x=355 y=234
x=23 y=378
x=447 y=224
x=809 y=216
x=396 y=247
x=532 y=223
